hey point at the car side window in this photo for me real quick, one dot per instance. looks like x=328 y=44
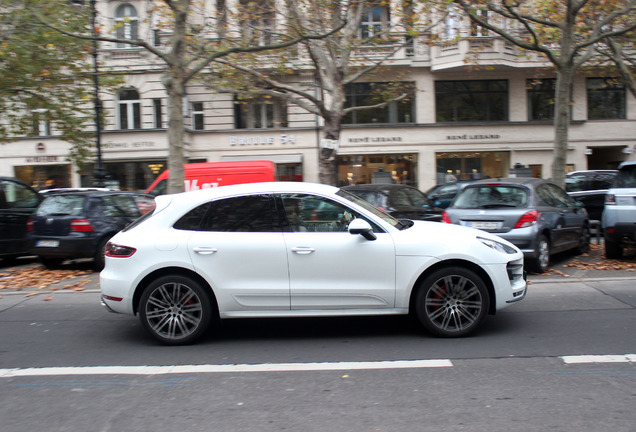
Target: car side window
x=309 y=213
x=576 y=183
x=192 y=220
x=242 y=214
x=19 y=196
x=559 y=198
x=446 y=192
x=119 y=206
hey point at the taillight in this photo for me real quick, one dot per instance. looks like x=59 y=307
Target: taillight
x=118 y=251
x=81 y=225
x=29 y=225
x=610 y=199
x=528 y=219
x=445 y=218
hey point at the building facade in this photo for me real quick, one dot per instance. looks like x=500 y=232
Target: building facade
x=460 y=122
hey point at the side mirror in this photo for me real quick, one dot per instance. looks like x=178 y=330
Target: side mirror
x=362 y=227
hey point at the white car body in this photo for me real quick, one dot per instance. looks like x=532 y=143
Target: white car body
x=295 y=274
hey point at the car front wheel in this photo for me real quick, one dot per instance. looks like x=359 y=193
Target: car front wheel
x=452 y=302
x=176 y=310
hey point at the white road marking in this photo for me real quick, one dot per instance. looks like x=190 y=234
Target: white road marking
x=624 y=358
x=236 y=368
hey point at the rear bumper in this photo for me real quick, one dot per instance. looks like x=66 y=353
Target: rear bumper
x=624 y=232
x=67 y=248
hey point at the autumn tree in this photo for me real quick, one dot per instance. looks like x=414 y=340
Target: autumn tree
x=192 y=43
x=316 y=74
x=566 y=32
x=46 y=75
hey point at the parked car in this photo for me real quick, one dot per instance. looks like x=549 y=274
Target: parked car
x=619 y=216
x=241 y=251
x=17 y=201
x=71 y=224
x=442 y=195
x=400 y=201
x=590 y=187
x=534 y=214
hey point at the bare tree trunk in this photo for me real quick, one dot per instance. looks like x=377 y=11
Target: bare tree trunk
x=329 y=150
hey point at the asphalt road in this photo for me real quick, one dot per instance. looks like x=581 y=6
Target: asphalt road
x=66 y=364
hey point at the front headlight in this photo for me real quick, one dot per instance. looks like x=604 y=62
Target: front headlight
x=498 y=246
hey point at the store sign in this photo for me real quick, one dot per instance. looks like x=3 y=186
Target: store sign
x=129 y=145
x=473 y=137
x=283 y=139
x=40 y=159
x=375 y=139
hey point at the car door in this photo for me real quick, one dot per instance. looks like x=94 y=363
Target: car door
x=240 y=250
x=329 y=268
x=17 y=203
x=566 y=218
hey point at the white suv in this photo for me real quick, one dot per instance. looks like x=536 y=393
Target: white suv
x=619 y=216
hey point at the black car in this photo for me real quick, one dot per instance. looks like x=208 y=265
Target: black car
x=17 y=203
x=442 y=195
x=590 y=187
x=75 y=224
x=400 y=201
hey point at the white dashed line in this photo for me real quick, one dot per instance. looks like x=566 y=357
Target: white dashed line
x=186 y=369
x=624 y=358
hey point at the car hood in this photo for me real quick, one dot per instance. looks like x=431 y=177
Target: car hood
x=446 y=241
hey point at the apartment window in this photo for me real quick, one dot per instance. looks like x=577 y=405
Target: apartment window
x=258 y=21
x=260 y=113
x=197 y=116
x=365 y=94
x=374 y=21
x=451 y=24
x=541 y=98
x=469 y=101
x=41 y=125
x=157 y=113
x=129 y=109
x=126 y=24
x=605 y=99
x=477 y=30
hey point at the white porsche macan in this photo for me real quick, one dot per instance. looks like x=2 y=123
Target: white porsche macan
x=298 y=250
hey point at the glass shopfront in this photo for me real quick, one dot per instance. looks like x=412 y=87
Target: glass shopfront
x=455 y=166
x=377 y=168
x=45 y=176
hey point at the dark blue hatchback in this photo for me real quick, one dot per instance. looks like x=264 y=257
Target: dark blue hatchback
x=75 y=224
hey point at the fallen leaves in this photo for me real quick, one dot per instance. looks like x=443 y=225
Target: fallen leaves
x=39 y=277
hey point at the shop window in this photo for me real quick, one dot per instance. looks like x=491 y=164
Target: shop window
x=470 y=101
x=197 y=116
x=541 y=99
x=129 y=109
x=461 y=166
x=366 y=94
x=383 y=168
x=260 y=113
x=157 y=113
x=126 y=24
x=374 y=21
x=605 y=99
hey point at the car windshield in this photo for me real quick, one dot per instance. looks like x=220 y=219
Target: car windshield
x=62 y=205
x=399 y=224
x=492 y=196
x=626 y=177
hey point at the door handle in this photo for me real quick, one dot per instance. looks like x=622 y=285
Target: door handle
x=205 y=250
x=303 y=250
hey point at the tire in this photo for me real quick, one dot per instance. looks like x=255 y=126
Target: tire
x=452 y=302
x=51 y=263
x=541 y=263
x=584 y=241
x=613 y=250
x=175 y=310
x=98 y=259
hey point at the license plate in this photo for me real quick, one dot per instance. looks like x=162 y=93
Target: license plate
x=484 y=225
x=47 y=243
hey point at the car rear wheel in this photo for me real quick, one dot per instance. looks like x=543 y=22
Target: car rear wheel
x=613 y=250
x=98 y=259
x=452 y=302
x=176 y=310
x=541 y=263
x=584 y=240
